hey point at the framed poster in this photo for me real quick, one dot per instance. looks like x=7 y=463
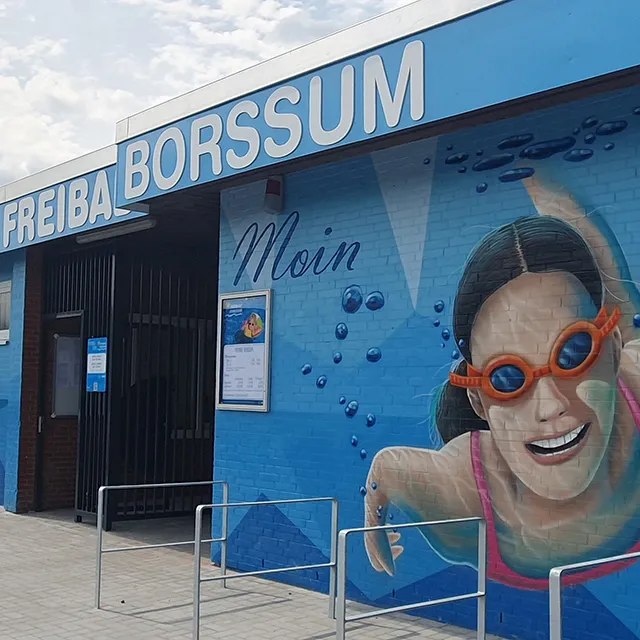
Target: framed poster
x=97 y=365
x=67 y=376
x=244 y=363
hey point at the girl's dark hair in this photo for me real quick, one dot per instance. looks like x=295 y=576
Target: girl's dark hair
x=536 y=244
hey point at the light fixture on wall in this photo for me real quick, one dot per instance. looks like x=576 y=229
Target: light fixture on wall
x=274 y=195
x=122 y=229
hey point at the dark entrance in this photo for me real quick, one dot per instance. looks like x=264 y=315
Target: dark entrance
x=153 y=295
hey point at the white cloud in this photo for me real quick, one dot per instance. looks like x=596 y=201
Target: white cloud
x=69 y=71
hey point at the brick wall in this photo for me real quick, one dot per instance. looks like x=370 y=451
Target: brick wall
x=416 y=213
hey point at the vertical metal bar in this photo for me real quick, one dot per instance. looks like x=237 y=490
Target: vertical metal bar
x=100 y=527
x=177 y=400
x=159 y=397
x=136 y=423
x=555 y=604
x=188 y=391
x=225 y=533
x=482 y=579
x=169 y=399
x=147 y=408
x=341 y=603
x=196 y=573
x=127 y=394
x=334 y=550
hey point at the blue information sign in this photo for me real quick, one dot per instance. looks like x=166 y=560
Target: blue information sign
x=97 y=365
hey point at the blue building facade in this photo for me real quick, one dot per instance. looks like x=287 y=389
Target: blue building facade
x=450 y=241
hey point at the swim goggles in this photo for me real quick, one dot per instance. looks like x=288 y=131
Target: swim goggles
x=574 y=352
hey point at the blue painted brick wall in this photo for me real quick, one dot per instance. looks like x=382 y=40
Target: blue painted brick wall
x=12 y=267
x=416 y=219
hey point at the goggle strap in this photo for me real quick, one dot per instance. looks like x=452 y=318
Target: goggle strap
x=608 y=326
x=466 y=382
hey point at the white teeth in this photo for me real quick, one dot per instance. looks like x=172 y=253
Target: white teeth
x=554 y=443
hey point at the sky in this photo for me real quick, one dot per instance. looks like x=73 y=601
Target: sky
x=69 y=69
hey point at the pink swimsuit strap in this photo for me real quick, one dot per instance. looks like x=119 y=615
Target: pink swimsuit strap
x=497 y=568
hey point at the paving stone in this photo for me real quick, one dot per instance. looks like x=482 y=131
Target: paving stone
x=47 y=578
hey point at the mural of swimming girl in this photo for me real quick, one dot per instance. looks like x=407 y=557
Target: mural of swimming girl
x=541 y=418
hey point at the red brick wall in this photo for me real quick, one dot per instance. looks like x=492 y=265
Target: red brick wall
x=30 y=381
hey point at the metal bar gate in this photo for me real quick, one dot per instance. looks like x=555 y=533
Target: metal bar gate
x=166 y=485
x=479 y=594
x=198 y=579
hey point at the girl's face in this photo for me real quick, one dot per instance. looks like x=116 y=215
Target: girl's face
x=554 y=436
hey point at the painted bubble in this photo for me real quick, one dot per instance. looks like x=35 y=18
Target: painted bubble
x=352 y=298
x=590 y=138
x=439 y=306
x=576 y=131
x=363 y=491
x=374 y=301
x=462 y=169
x=436 y=323
x=609 y=146
x=493 y=162
x=374 y=354
x=610 y=128
x=371 y=420
x=321 y=382
x=342 y=400
x=342 y=331
x=636 y=321
x=462 y=343
x=379 y=511
x=328 y=231
x=363 y=454
x=578 y=155
x=337 y=357
x=352 y=408
x=636 y=111
x=513 y=175
x=374 y=486
x=547 y=148
x=449 y=147
x=589 y=122
x=354 y=441
x=391 y=516
x=482 y=187
x=479 y=152
x=455 y=355
x=456 y=158
x=426 y=161
x=513 y=142
x=442 y=345
x=307 y=369
x=446 y=334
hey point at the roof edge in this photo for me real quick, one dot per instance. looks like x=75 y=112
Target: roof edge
x=69 y=170
x=374 y=32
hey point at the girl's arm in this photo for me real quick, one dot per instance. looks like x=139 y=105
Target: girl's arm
x=432 y=484
x=620 y=289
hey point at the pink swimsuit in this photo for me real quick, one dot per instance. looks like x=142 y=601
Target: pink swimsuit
x=497 y=568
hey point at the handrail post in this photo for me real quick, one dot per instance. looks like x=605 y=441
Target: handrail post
x=196 y=573
x=334 y=551
x=341 y=603
x=100 y=528
x=225 y=533
x=482 y=579
x=555 y=604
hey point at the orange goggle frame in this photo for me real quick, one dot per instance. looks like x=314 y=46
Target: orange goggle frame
x=599 y=329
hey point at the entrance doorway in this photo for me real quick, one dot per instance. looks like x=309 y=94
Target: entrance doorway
x=60 y=397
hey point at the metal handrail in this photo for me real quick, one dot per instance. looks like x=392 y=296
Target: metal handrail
x=555 y=588
x=198 y=579
x=480 y=594
x=102 y=491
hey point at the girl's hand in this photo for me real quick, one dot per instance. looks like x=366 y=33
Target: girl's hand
x=619 y=288
x=381 y=546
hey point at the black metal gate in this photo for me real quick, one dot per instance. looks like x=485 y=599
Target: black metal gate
x=155 y=423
